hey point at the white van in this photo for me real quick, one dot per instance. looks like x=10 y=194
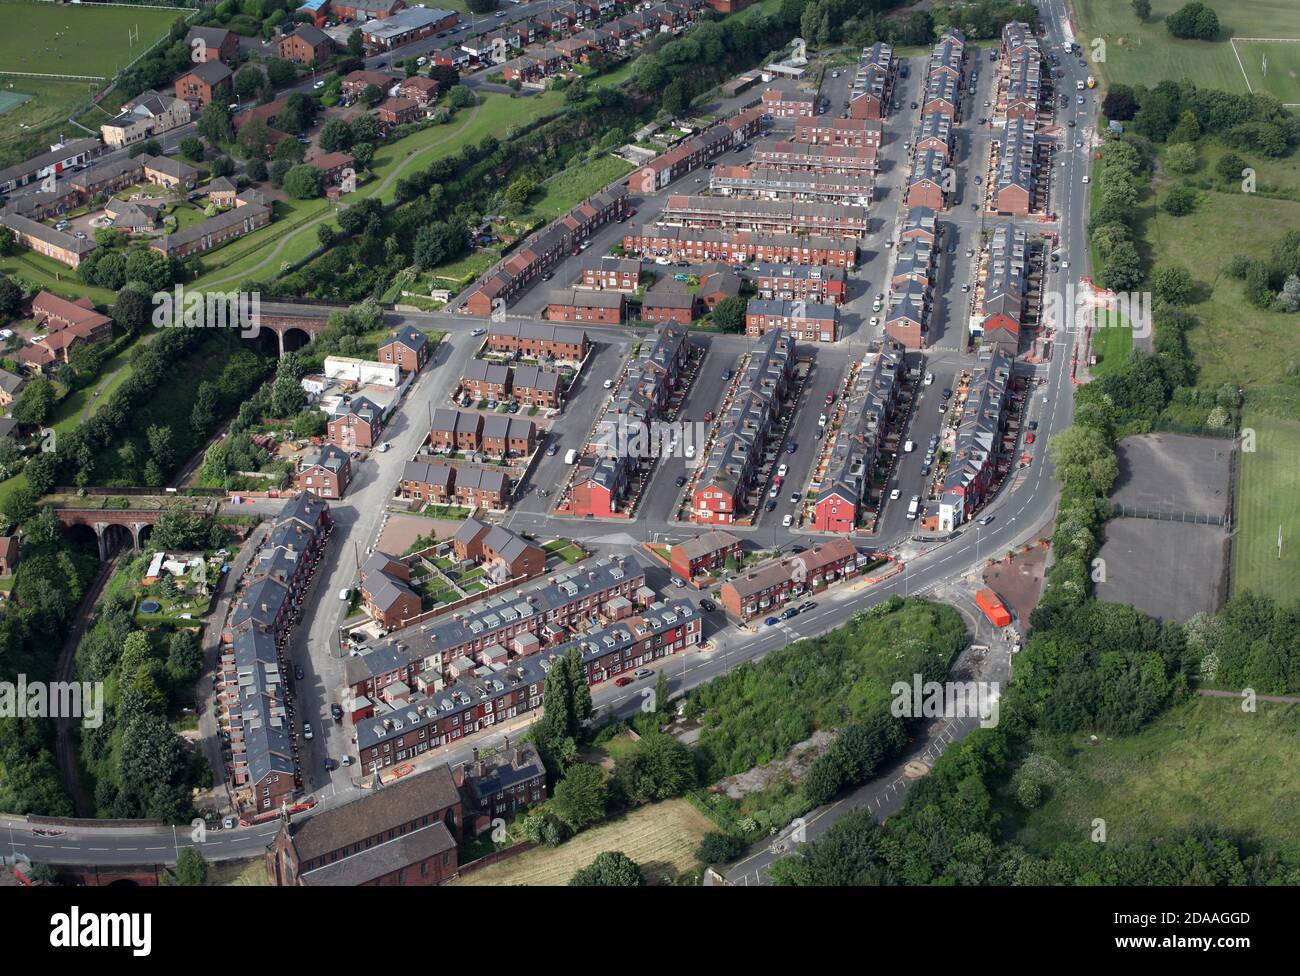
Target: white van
x=913 y=507
x=908 y=447
x=571 y=456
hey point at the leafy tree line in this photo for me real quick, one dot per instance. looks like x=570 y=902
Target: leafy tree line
x=49 y=583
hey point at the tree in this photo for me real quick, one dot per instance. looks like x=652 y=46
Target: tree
x=42 y=472
x=1082 y=456
x=254 y=137
x=224 y=166
x=161 y=446
x=215 y=124
x=482 y=6
x=336 y=135
x=191 y=148
x=248 y=80
x=356 y=44
x=204 y=412
x=518 y=192
x=660 y=767
x=581 y=797
x=372 y=95
x=676 y=97
x=191 y=868
x=1120 y=103
x=36 y=403
x=610 y=869
x=1188 y=128
x=281 y=73
x=184 y=657
x=1182 y=158
x=133 y=309
x=1143 y=10
x=255 y=170
x=11 y=296
x=152 y=147
x=717 y=848
x=461 y=97
x=1194 y=21
x=1173 y=284
x=1229 y=167
x=1179 y=201
x=729 y=314
x=304 y=182
x=1289 y=296
x=1123 y=269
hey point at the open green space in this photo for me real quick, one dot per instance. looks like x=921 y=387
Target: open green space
x=83 y=39
x=1266 y=504
x=1111 y=346
x=38 y=272
x=1145 y=53
x=566 y=190
x=28 y=129
x=1272 y=66
x=1234 y=342
x=1203 y=762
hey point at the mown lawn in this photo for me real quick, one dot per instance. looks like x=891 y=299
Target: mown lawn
x=1267 y=500
x=566 y=190
x=1204 y=762
x=1145 y=53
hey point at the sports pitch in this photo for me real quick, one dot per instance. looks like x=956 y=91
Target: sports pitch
x=1139 y=53
x=78 y=39
x=1271 y=66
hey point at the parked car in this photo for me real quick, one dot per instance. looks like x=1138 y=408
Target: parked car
x=986 y=520
x=306 y=731
x=789 y=612
x=708 y=606
x=791 y=447
x=771 y=621
x=336 y=711
x=331 y=765
x=806 y=606
x=787 y=520
x=643 y=672
x=893 y=495
x=623 y=681
x=681 y=480
x=298 y=673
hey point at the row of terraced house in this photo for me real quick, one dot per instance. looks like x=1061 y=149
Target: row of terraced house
x=255 y=710
x=604 y=477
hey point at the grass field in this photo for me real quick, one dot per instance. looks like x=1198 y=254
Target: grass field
x=28 y=129
x=78 y=40
x=1272 y=66
x=566 y=190
x=1138 y=53
x=1267 y=491
x=662 y=838
x=1234 y=342
x=1203 y=762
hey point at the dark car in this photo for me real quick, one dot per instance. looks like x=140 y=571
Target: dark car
x=1033 y=425
x=771 y=506
x=298 y=672
x=708 y=606
x=789 y=612
x=336 y=711
x=331 y=765
x=680 y=481
x=946 y=393
x=771 y=621
x=791 y=447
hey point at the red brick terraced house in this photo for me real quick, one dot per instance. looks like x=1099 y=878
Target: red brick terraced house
x=925 y=183
x=506 y=437
x=800 y=157
x=863 y=423
x=799 y=282
x=327 y=474
x=670 y=301
x=619 y=274
x=405 y=834
x=804 y=321
x=707 y=552
x=578 y=305
x=452 y=431
x=694 y=152
x=766 y=216
x=535 y=340
x=789 y=105
x=699 y=245
x=355 y=425
x=532 y=386
x=484 y=380
x=839 y=132
x=409 y=348
x=764 y=590
x=731 y=469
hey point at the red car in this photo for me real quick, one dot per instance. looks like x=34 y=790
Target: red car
x=708 y=416
x=1030 y=437
x=830 y=398
x=621 y=682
